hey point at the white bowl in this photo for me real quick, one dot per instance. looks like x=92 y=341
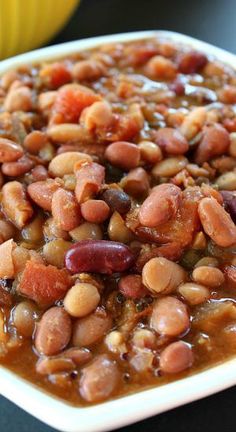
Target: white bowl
x=128 y=409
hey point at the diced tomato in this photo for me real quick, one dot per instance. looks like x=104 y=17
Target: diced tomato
x=56 y=74
x=70 y=101
x=44 y=284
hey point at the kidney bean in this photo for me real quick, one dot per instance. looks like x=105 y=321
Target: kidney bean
x=100 y=256
x=65 y=210
x=230 y=203
x=191 y=62
x=81 y=300
x=98 y=115
x=159 y=67
x=171 y=141
x=194 y=293
x=117 y=229
x=23 y=318
x=86 y=231
x=15 y=204
x=18 y=99
x=54 y=252
x=169 y=317
x=100 y=379
x=64 y=163
x=88 y=70
x=169 y=167
x=123 y=154
x=18 y=168
x=35 y=141
x=136 y=183
x=150 y=152
x=91 y=329
x=176 y=357
x=95 y=211
x=117 y=200
x=131 y=286
x=89 y=179
x=41 y=192
x=51 y=365
x=209 y=276
x=160 y=275
x=160 y=206
x=53 y=331
x=215 y=142
x=216 y=222
x=193 y=122
x=9 y=150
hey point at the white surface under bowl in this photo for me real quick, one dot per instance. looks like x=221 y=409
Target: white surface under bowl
x=128 y=409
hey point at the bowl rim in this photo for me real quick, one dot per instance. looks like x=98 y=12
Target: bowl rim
x=134 y=407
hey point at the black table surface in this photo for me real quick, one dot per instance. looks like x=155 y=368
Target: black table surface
x=209 y=20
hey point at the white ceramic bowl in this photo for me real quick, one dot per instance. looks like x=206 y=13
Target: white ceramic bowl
x=128 y=409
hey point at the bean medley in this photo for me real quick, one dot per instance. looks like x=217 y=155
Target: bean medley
x=117 y=218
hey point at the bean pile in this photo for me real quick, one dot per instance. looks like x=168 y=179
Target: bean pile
x=117 y=218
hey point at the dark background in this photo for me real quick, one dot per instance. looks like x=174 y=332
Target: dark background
x=213 y=21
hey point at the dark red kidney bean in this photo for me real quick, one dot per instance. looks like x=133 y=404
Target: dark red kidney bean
x=131 y=287
x=99 y=256
x=117 y=200
x=191 y=62
x=229 y=198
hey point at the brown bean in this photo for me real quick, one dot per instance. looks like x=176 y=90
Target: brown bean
x=136 y=183
x=9 y=150
x=64 y=163
x=160 y=275
x=171 y=141
x=41 y=192
x=54 y=252
x=86 y=231
x=131 y=286
x=99 y=256
x=194 y=293
x=23 y=317
x=18 y=168
x=65 y=210
x=100 y=379
x=216 y=222
x=117 y=200
x=169 y=167
x=91 y=329
x=169 y=317
x=150 y=152
x=15 y=204
x=215 y=142
x=53 y=331
x=18 y=99
x=90 y=177
x=123 y=154
x=95 y=211
x=176 y=357
x=161 y=205
x=81 y=300
x=209 y=276
x=117 y=229
x=35 y=141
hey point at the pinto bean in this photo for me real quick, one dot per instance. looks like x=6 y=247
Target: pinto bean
x=100 y=379
x=90 y=177
x=54 y=252
x=169 y=167
x=150 y=152
x=91 y=329
x=117 y=229
x=41 y=192
x=100 y=256
x=160 y=275
x=209 y=276
x=176 y=357
x=171 y=141
x=159 y=67
x=136 y=183
x=15 y=204
x=117 y=200
x=95 y=211
x=51 y=365
x=81 y=299
x=23 y=318
x=160 y=206
x=194 y=293
x=216 y=222
x=9 y=150
x=193 y=122
x=88 y=70
x=18 y=168
x=64 y=163
x=65 y=210
x=35 y=141
x=215 y=142
x=131 y=286
x=169 y=317
x=53 y=331
x=86 y=231
x=18 y=99
x=123 y=154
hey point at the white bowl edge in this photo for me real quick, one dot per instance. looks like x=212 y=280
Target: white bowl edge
x=135 y=407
